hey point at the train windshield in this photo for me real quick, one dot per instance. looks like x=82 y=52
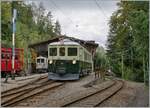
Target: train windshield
x=62 y=51
x=53 y=51
x=38 y=60
x=72 y=51
x=42 y=60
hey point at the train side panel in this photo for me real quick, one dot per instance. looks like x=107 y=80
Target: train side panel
x=3 y=65
x=6 y=60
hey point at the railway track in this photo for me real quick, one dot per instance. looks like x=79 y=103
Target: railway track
x=33 y=95
x=23 y=86
x=112 y=91
x=16 y=95
x=96 y=98
x=18 y=91
x=90 y=97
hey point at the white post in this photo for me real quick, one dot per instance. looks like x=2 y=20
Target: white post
x=13 y=42
x=13 y=50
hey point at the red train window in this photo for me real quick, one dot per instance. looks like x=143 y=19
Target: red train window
x=3 y=56
x=8 y=56
x=16 y=57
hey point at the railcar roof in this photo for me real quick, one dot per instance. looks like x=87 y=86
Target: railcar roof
x=42 y=47
x=64 y=42
x=40 y=57
x=56 y=39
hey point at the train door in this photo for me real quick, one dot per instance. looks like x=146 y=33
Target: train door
x=3 y=65
x=3 y=62
x=17 y=63
x=8 y=62
x=42 y=63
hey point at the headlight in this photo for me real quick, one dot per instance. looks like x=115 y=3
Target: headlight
x=51 y=61
x=74 y=62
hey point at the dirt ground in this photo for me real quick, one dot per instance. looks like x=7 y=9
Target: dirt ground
x=18 y=81
x=142 y=96
x=131 y=95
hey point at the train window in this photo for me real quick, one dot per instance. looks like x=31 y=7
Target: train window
x=3 y=56
x=8 y=56
x=53 y=51
x=38 y=60
x=42 y=60
x=16 y=57
x=72 y=51
x=85 y=56
x=62 y=51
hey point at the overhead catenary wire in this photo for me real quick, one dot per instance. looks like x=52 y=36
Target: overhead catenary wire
x=100 y=8
x=57 y=7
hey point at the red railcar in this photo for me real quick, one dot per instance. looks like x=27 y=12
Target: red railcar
x=6 y=60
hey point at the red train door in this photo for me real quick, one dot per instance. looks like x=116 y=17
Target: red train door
x=16 y=63
x=6 y=62
x=9 y=63
x=3 y=62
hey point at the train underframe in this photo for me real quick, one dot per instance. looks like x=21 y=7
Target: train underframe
x=41 y=70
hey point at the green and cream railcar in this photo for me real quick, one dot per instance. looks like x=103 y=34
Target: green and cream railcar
x=68 y=61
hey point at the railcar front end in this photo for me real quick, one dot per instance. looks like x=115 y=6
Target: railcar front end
x=68 y=61
x=41 y=64
x=64 y=70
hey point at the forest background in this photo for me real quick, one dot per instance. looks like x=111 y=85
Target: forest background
x=127 y=53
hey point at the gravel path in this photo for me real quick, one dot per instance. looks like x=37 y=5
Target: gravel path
x=18 y=81
x=95 y=99
x=132 y=95
x=142 y=96
x=45 y=98
x=66 y=90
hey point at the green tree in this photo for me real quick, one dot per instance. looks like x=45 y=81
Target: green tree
x=33 y=24
x=100 y=59
x=57 y=28
x=128 y=39
x=6 y=21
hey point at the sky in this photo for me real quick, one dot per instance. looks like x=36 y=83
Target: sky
x=83 y=19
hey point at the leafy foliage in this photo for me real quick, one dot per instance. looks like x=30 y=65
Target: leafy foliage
x=57 y=28
x=100 y=59
x=33 y=24
x=128 y=40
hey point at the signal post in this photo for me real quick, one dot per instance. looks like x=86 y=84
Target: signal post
x=13 y=42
